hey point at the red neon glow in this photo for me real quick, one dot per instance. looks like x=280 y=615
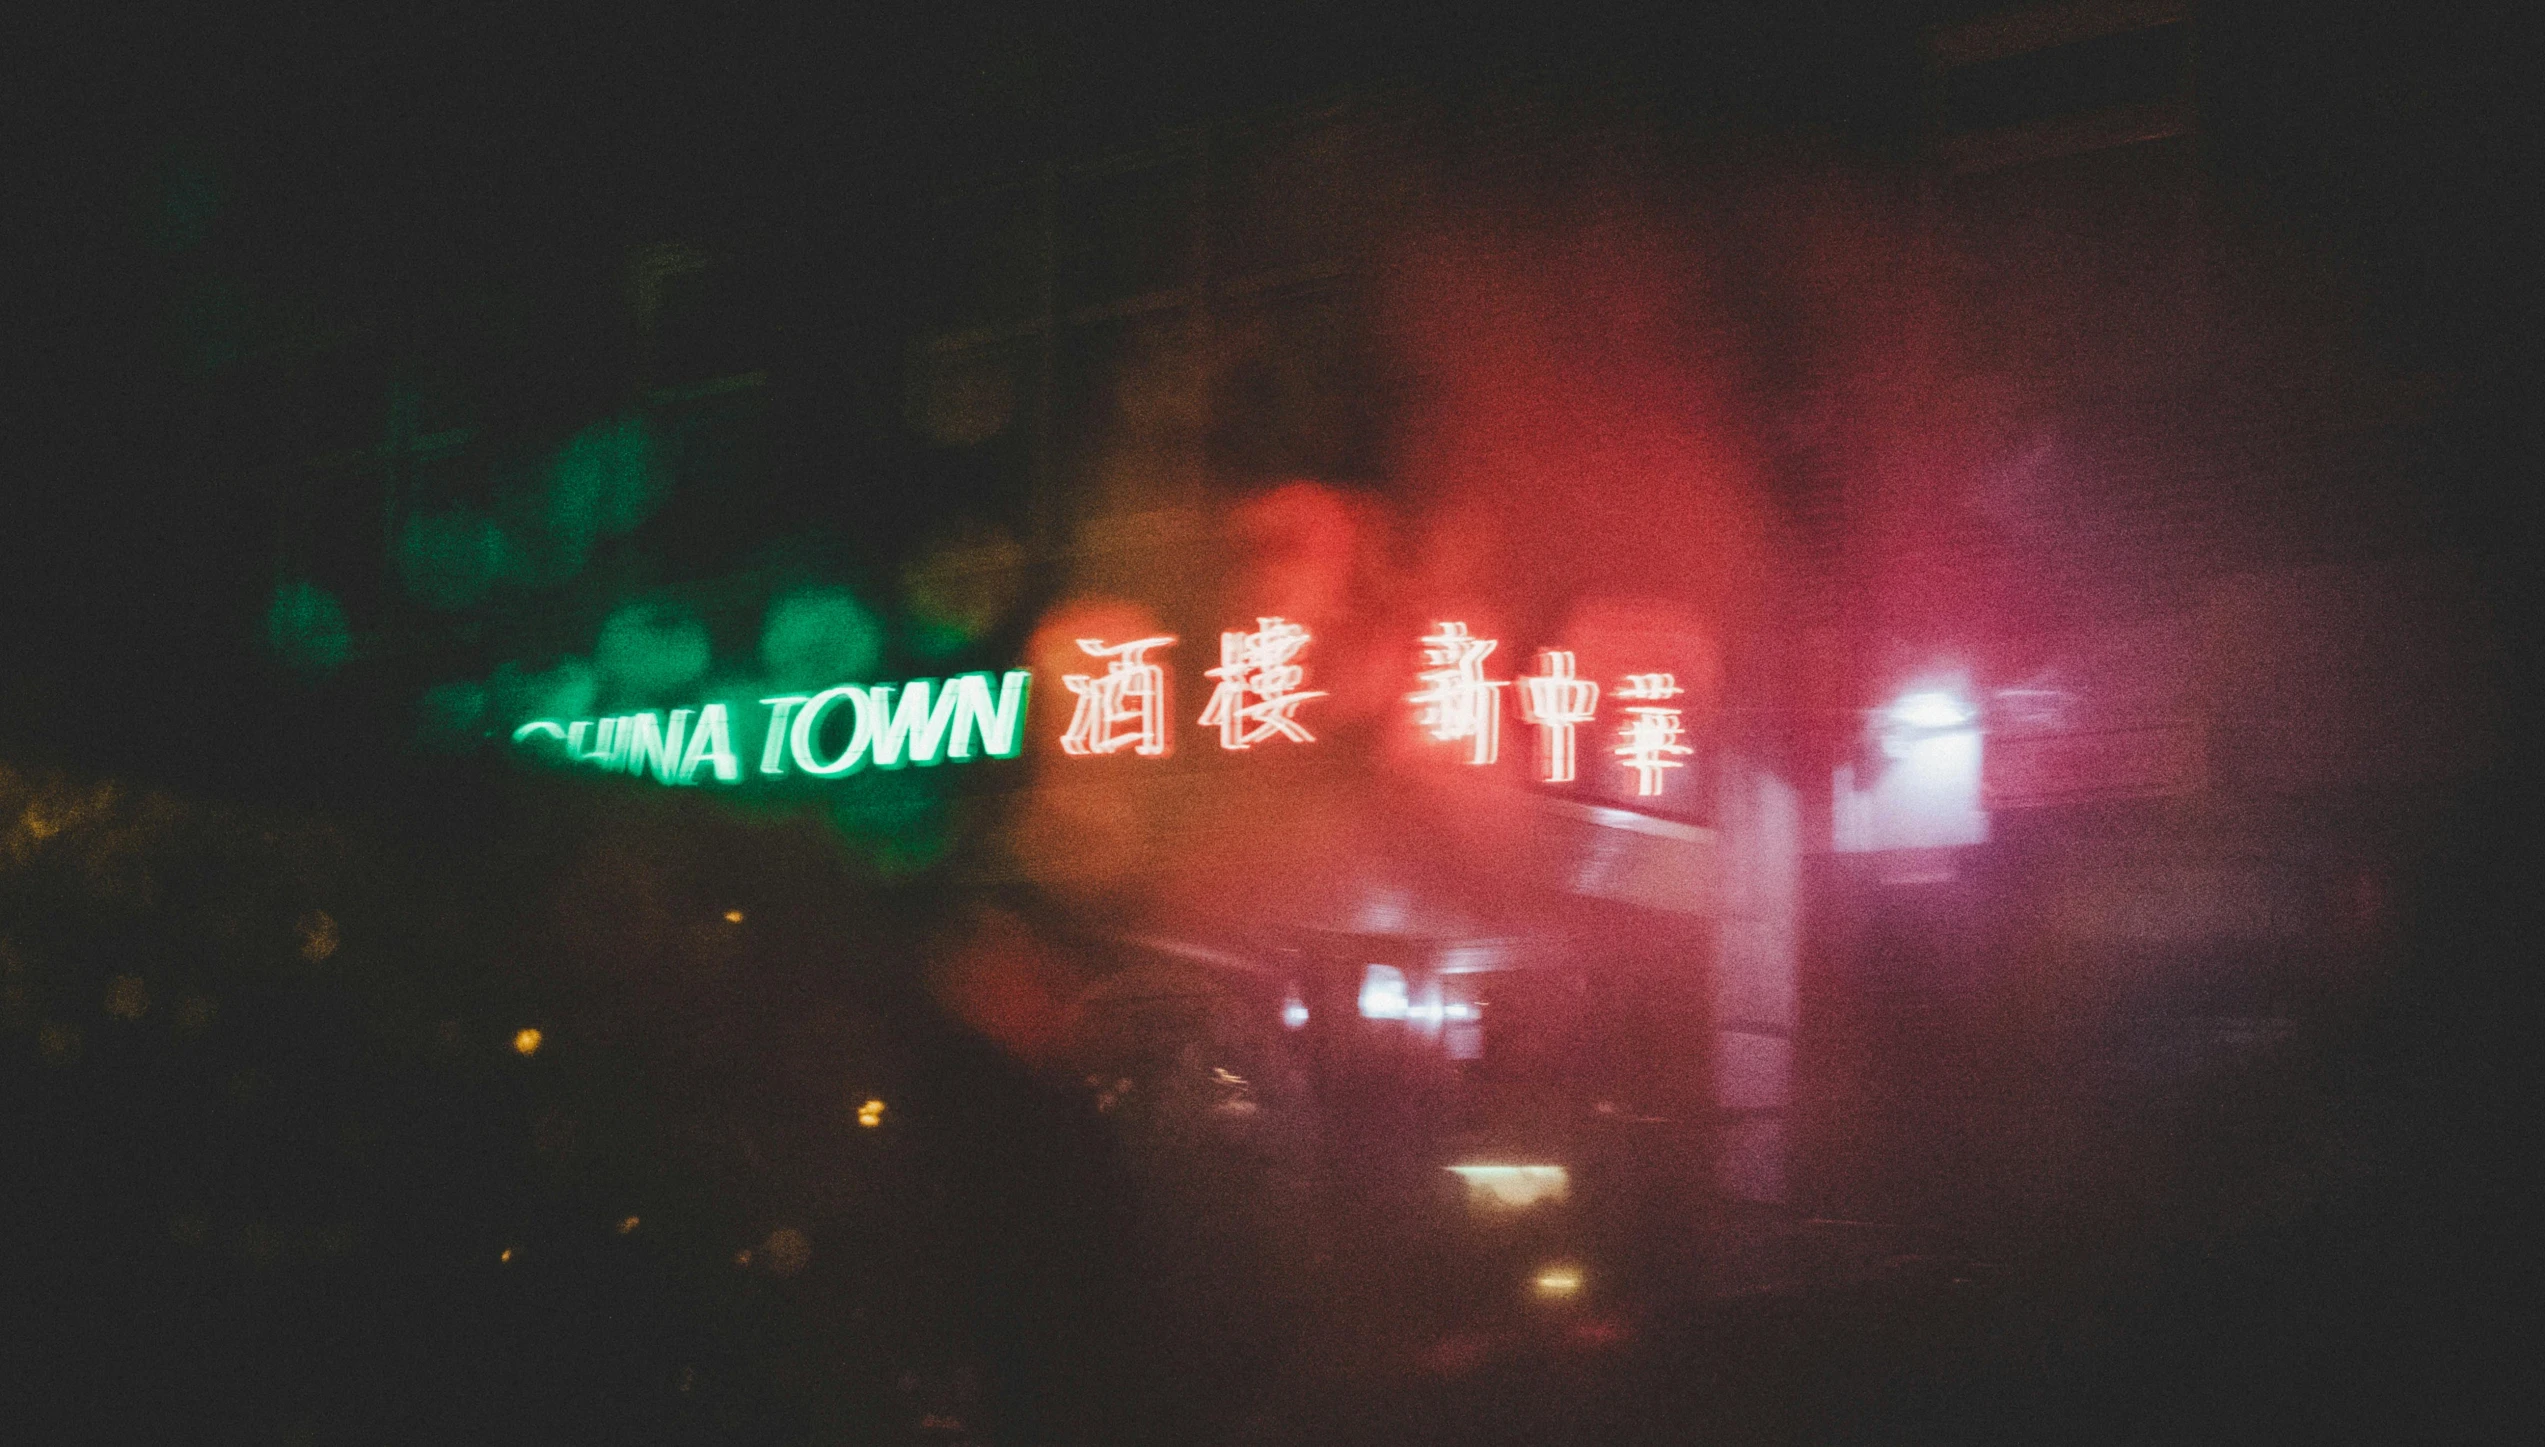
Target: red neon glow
x=1558 y=703
x=1651 y=734
x=1125 y=706
x=1458 y=701
x=1257 y=666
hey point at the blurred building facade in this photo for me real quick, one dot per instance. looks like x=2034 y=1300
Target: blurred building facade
x=2162 y=541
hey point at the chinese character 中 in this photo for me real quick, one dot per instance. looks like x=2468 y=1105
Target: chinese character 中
x=1557 y=702
x=1123 y=707
x=1651 y=733
x=1259 y=685
x=1458 y=701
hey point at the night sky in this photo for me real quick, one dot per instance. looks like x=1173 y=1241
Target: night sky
x=176 y=170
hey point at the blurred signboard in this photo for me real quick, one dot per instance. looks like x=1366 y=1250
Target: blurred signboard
x=2145 y=761
x=1629 y=857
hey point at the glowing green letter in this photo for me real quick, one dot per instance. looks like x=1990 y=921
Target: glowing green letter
x=607 y=752
x=710 y=742
x=772 y=756
x=648 y=745
x=923 y=728
x=1002 y=729
x=809 y=719
x=550 y=727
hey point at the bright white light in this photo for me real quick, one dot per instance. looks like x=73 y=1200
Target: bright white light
x=1511 y=1188
x=1926 y=797
x=1930 y=709
x=1294 y=1012
x=1383 y=992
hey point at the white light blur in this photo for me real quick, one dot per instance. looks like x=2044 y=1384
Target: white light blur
x=1383 y=992
x=1930 y=709
x=1294 y=1012
x=1512 y=1188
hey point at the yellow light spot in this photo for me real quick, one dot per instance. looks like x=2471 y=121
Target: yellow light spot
x=526 y=1040
x=733 y=916
x=127 y=998
x=194 y=1015
x=507 y=1256
x=789 y=1250
x=59 y=1043
x=1558 y=1281
x=742 y=1258
x=318 y=937
x=871 y=1114
x=627 y=1225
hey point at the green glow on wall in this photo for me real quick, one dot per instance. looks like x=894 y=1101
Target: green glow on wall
x=646 y=651
x=307 y=628
x=817 y=635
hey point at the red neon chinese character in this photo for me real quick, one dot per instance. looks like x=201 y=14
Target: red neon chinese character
x=1458 y=701
x=1258 y=666
x=1131 y=691
x=1557 y=702
x=1651 y=734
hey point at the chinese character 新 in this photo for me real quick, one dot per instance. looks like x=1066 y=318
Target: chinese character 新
x=1652 y=732
x=1458 y=701
x=1259 y=685
x=1125 y=706
x=1557 y=702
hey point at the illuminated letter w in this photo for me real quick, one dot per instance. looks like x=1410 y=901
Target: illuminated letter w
x=914 y=723
x=1001 y=729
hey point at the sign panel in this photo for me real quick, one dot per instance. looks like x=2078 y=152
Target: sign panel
x=1256 y=699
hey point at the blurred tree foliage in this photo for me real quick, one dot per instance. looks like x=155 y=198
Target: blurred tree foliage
x=282 y=1156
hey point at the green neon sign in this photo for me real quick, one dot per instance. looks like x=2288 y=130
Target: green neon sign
x=926 y=722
